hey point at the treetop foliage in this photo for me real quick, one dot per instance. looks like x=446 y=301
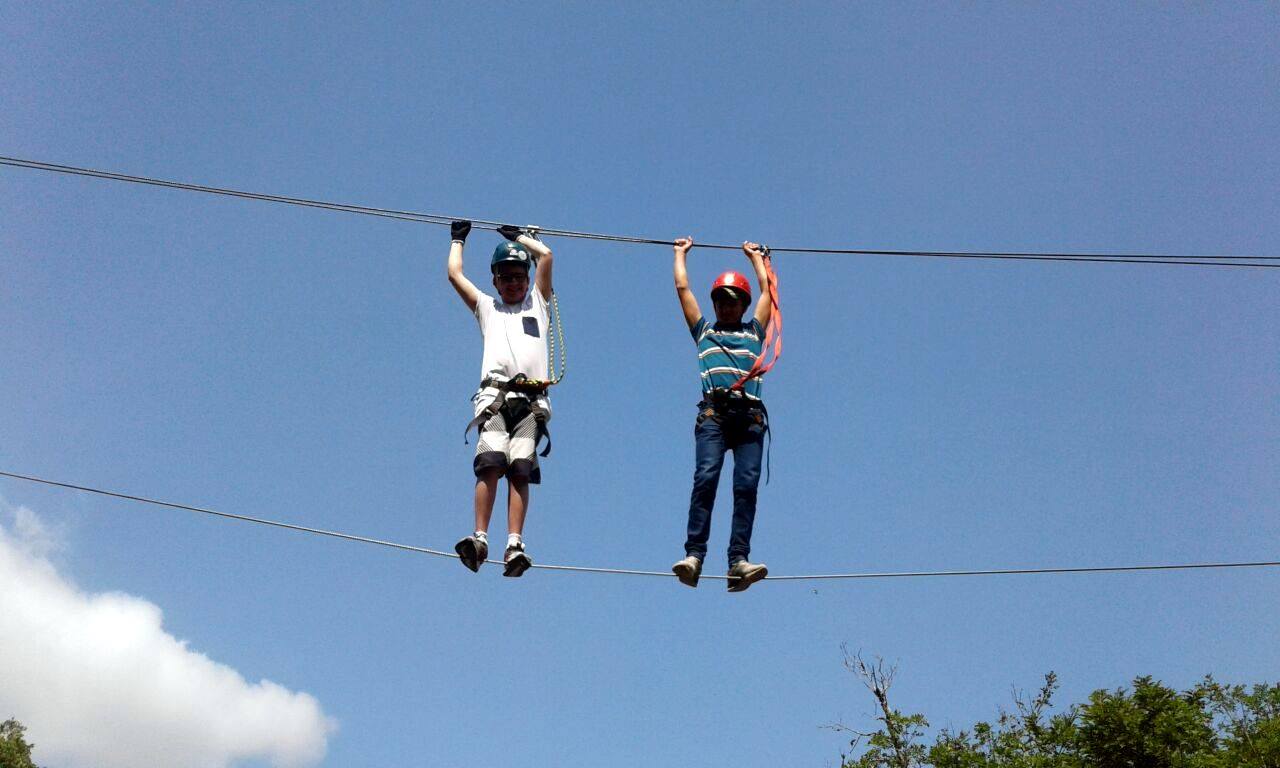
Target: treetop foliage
x=1210 y=725
x=15 y=752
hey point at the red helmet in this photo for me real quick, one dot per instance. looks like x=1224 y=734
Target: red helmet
x=732 y=281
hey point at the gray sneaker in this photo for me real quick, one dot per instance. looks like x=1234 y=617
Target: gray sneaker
x=688 y=570
x=472 y=551
x=516 y=561
x=743 y=574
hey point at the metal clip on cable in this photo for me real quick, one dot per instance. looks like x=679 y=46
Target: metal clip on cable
x=532 y=231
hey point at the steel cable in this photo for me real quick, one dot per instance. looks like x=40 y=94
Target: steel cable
x=633 y=572
x=442 y=219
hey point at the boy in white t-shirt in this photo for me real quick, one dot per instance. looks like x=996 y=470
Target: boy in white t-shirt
x=510 y=412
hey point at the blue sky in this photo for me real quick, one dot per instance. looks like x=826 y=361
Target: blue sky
x=315 y=367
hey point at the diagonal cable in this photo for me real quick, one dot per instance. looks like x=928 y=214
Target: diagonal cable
x=633 y=572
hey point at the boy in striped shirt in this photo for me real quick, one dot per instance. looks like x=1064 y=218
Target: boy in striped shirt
x=730 y=417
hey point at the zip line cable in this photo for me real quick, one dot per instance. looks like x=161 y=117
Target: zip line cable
x=631 y=572
x=441 y=219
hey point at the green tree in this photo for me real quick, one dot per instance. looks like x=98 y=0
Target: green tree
x=1247 y=723
x=1154 y=726
x=1150 y=726
x=1028 y=737
x=896 y=743
x=15 y=752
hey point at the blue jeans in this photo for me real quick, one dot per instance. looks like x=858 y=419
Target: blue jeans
x=744 y=435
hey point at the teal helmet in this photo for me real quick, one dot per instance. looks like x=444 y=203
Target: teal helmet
x=510 y=252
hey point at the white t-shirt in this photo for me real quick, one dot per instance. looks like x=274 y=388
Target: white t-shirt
x=515 y=341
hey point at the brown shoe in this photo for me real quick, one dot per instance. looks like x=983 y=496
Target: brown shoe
x=688 y=570
x=743 y=574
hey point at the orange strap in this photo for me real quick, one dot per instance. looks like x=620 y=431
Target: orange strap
x=772 y=333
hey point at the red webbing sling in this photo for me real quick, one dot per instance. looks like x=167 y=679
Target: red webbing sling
x=772 y=333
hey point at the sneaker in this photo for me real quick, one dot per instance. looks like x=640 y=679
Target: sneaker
x=743 y=574
x=517 y=562
x=688 y=570
x=472 y=552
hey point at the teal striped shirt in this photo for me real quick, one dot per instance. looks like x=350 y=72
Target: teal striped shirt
x=726 y=351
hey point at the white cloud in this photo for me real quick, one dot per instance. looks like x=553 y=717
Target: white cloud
x=33 y=534
x=98 y=682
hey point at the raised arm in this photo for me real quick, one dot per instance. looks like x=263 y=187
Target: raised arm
x=466 y=289
x=764 y=305
x=688 y=302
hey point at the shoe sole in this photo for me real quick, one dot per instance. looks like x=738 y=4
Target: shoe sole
x=741 y=584
x=467 y=553
x=516 y=567
x=687 y=575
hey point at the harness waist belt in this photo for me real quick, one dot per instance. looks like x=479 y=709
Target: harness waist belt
x=519 y=385
x=727 y=397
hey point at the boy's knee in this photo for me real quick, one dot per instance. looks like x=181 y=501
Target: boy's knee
x=704 y=487
x=489 y=465
x=523 y=472
x=746 y=482
x=520 y=471
x=707 y=471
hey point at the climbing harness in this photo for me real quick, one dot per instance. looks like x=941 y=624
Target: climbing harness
x=527 y=403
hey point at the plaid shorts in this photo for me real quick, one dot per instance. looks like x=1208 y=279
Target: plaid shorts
x=508 y=443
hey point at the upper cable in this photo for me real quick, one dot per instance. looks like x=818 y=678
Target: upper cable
x=443 y=219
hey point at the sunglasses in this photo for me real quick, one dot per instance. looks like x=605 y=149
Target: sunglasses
x=512 y=277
